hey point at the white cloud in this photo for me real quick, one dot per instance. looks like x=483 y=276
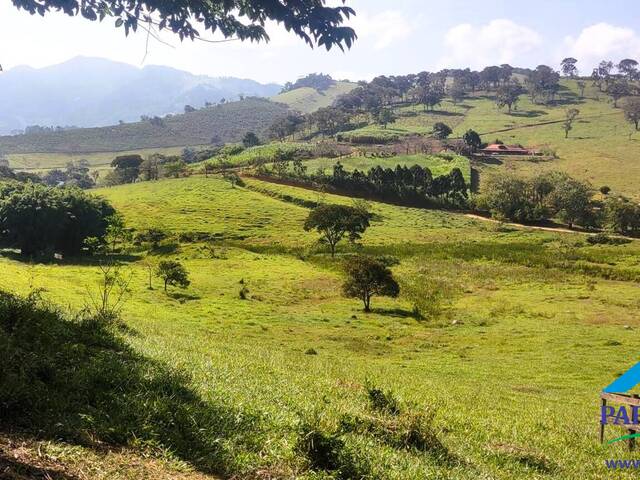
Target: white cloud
x=499 y=41
x=384 y=28
x=601 y=41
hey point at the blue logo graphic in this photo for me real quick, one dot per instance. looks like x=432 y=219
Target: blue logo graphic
x=627 y=414
x=626 y=381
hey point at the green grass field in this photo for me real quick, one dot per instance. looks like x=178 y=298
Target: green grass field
x=307 y=99
x=533 y=326
x=99 y=161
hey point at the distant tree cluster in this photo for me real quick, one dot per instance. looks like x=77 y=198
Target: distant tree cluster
x=76 y=174
x=317 y=81
x=557 y=195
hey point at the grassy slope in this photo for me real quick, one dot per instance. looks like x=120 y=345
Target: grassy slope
x=602 y=148
x=515 y=381
x=99 y=161
x=228 y=122
x=309 y=100
x=599 y=149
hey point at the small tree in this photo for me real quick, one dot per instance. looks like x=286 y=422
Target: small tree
x=571 y=199
x=112 y=292
x=568 y=66
x=173 y=273
x=333 y=222
x=368 y=276
x=570 y=116
x=385 y=117
x=472 y=139
x=441 y=130
x=250 y=139
x=581 y=86
x=232 y=177
x=508 y=95
x=631 y=108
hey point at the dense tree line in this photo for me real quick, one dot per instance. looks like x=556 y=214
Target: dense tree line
x=408 y=185
x=557 y=195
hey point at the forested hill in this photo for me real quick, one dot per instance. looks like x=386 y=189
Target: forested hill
x=221 y=123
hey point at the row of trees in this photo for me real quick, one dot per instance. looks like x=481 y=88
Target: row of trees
x=557 y=195
x=408 y=185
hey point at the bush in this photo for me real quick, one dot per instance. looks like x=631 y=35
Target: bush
x=603 y=239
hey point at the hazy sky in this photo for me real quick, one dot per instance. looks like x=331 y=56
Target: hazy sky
x=399 y=36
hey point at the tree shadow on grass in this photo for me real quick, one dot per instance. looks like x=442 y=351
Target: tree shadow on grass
x=445 y=113
x=183 y=296
x=13 y=469
x=528 y=113
x=394 y=312
x=79 y=381
x=88 y=260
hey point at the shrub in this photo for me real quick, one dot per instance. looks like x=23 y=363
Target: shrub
x=383 y=401
x=603 y=239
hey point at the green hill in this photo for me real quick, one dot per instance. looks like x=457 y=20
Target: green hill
x=220 y=124
x=602 y=148
x=517 y=321
x=307 y=99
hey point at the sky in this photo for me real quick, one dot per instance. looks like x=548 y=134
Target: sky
x=395 y=37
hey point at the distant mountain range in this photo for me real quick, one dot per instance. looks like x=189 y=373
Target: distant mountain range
x=92 y=92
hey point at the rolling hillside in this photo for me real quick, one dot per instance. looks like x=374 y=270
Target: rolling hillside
x=603 y=148
x=307 y=100
x=216 y=124
x=94 y=92
x=528 y=322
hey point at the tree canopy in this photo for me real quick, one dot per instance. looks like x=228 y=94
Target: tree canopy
x=311 y=20
x=41 y=220
x=333 y=222
x=369 y=276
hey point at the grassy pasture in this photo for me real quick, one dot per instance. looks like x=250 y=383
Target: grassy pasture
x=307 y=99
x=536 y=323
x=602 y=148
x=98 y=161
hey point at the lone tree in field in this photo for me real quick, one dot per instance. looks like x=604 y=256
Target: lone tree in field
x=333 y=222
x=507 y=95
x=631 y=109
x=472 y=140
x=127 y=167
x=368 y=276
x=311 y=20
x=568 y=66
x=570 y=116
x=250 y=139
x=385 y=117
x=173 y=273
x=441 y=130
